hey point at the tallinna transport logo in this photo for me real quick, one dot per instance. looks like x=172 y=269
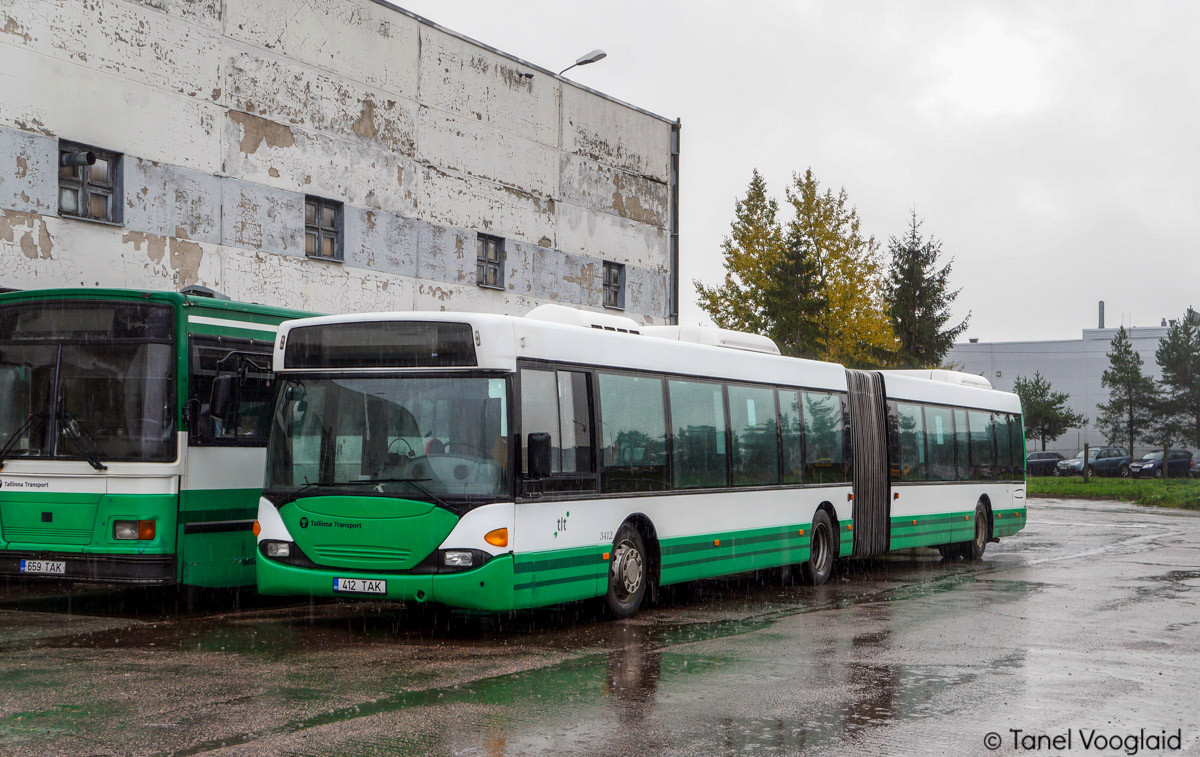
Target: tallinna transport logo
x=304 y=523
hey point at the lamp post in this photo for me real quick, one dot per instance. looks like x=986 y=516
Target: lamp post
x=591 y=57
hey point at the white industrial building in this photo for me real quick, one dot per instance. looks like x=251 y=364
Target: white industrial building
x=339 y=156
x=1074 y=366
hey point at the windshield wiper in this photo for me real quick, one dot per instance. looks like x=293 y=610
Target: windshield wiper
x=308 y=486
x=16 y=435
x=84 y=441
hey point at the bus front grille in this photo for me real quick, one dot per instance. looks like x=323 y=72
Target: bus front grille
x=47 y=535
x=361 y=553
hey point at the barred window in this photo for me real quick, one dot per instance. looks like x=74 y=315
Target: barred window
x=489 y=263
x=614 y=285
x=89 y=182
x=323 y=228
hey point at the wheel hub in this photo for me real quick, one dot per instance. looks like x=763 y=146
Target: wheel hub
x=627 y=569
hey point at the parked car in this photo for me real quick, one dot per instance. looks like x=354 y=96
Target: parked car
x=1194 y=469
x=1102 y=461
x=1042 y=463
x=1179 y=464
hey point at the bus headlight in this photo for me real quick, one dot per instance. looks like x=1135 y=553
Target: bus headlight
x=278 y=549
x=143 y=530
x=454 y=558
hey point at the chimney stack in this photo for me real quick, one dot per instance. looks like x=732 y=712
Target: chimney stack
x=1101 y=314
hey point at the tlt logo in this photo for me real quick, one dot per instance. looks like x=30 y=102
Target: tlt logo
x=304 y=523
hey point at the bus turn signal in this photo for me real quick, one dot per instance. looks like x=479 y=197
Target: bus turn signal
x=497 y=537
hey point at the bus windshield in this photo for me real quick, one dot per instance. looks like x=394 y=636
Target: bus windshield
x=434 y=439
x=87 y=379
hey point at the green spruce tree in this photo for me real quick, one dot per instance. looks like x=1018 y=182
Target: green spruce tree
x=919 y=299
x=1047 y=416
x=1132 y=403
x=1178 y=356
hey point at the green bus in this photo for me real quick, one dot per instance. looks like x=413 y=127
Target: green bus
x=488 y=463
x=112 y=468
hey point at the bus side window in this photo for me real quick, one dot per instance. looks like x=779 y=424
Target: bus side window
x=962 y=456
x=939 y=440
x=633 y=433
x=755 y=436
x=249 y=426
x=983 y=446
x=1018 y=446
x=824 y=438
x=698 y=456
x=1003 y=447
x=912 y=442
x=792 y=436
x=557 y=403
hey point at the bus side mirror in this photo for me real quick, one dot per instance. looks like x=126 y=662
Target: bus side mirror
x=223 y=403
x=539 y=455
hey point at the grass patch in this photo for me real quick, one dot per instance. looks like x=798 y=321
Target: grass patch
x=1182 y=493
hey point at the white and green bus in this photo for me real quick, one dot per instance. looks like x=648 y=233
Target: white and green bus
x=112 y=468
x=490 y=462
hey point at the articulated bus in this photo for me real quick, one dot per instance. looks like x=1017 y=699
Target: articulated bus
x=112 y=468
x=490 y=462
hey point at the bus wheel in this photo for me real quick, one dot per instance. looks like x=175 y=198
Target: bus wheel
x=626 y=573
x=973 y=550
x=820 y=556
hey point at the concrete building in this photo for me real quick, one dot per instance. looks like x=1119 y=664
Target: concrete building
x=340 y=156
x=1073 y=366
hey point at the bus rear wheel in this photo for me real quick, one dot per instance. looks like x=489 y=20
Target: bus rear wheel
x=627 y=573
x=819 y=566
x=973 y=550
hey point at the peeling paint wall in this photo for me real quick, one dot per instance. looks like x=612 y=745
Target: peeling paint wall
x=228 y=114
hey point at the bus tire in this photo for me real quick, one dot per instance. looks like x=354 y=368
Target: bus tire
x=628 y=573
x=819 y=566
x=973 y=550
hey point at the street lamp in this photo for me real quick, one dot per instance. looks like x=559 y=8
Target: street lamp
x=591 y=57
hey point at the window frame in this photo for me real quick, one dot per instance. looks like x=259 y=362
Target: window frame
x=482 y=264
x=255 y=347
x=336 y=232
x=85 y=186
x=586 y=482
x=616 y=287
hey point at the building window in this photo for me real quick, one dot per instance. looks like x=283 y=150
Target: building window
x=489 y=261
x=323 y=228
x=89 y=182
x=614 y=285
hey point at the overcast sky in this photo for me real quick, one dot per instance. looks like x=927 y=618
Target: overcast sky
x=1051 y=146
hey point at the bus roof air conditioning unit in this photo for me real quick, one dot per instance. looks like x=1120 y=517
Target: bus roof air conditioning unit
x=714 y=337
x=584 y=319
x=950 y=377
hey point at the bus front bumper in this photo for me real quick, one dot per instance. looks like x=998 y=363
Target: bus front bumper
x=488 y=588
x=147 y=570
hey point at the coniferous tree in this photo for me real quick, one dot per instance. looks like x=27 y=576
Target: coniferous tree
x=1046 y=414
x=1132 y=403
x=919 y=299
x=1178 y=356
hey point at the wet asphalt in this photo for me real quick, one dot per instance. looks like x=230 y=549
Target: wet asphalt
x=1085 y=626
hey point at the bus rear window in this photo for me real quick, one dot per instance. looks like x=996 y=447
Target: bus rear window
x=381 y=344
